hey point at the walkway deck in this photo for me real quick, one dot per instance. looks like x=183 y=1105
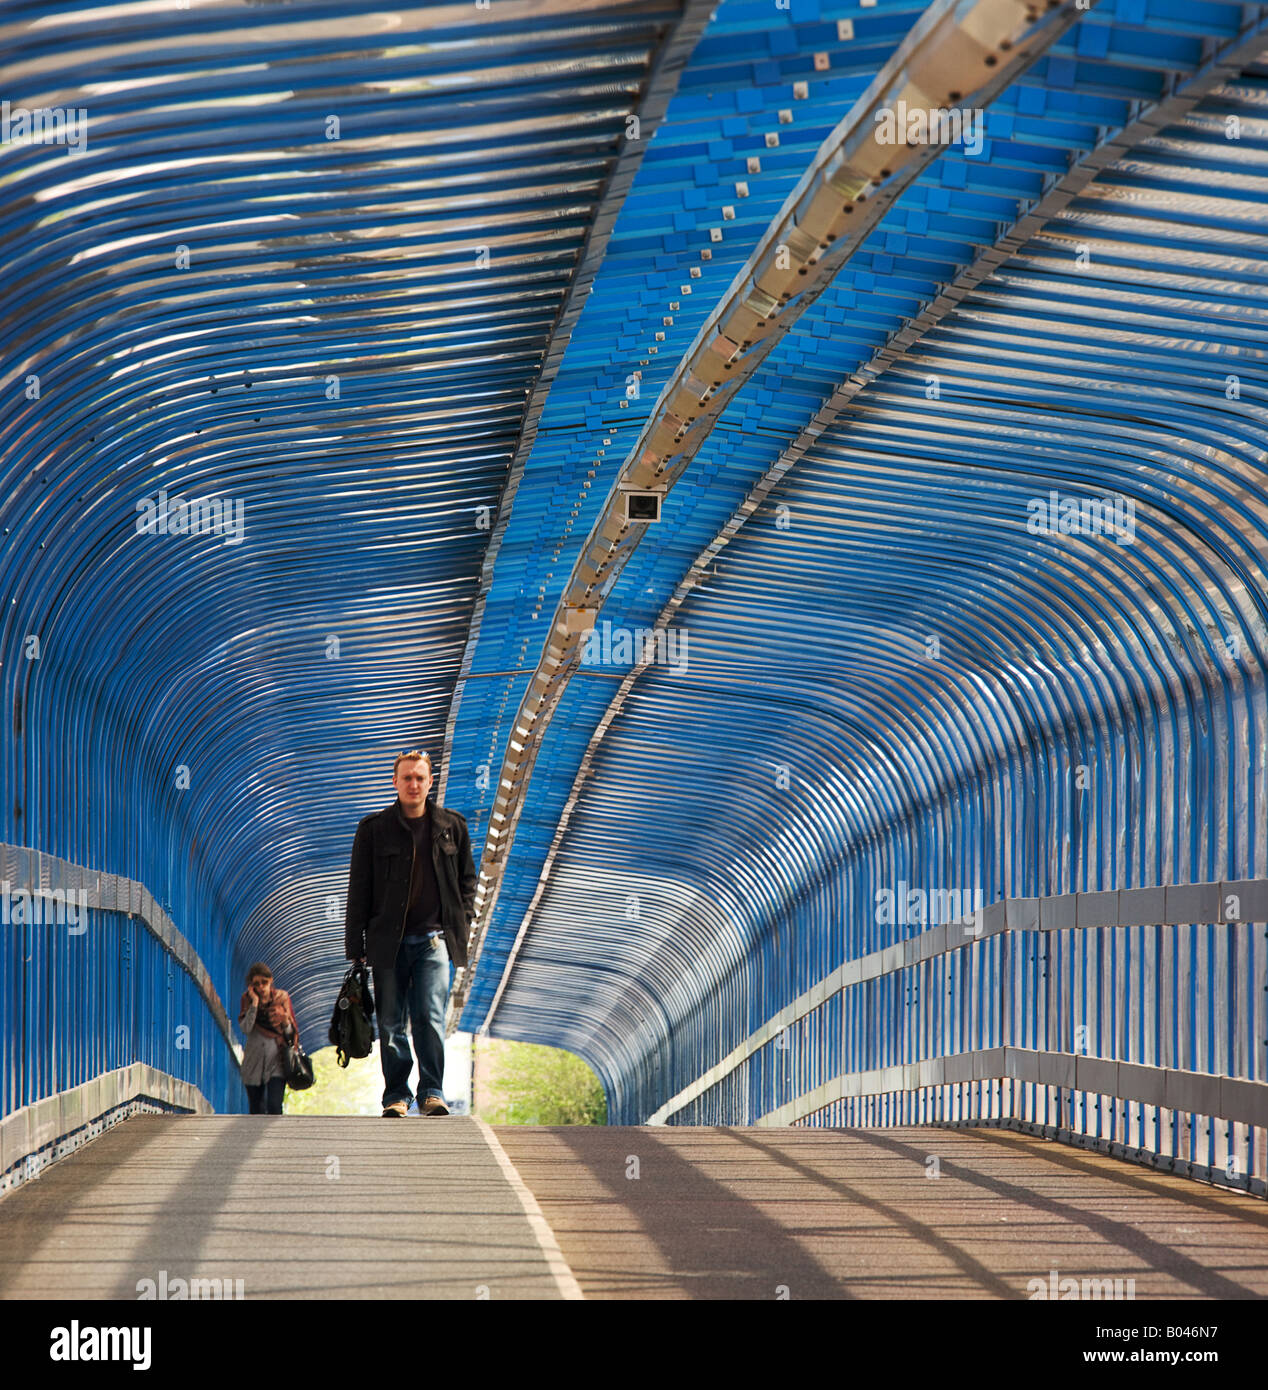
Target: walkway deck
x=425 y=1209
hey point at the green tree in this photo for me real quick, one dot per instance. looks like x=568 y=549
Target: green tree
x=354 y=1090
x=536 y=1085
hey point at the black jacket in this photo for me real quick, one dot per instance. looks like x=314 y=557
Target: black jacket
x=379 y=879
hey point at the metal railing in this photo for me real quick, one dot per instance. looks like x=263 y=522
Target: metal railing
x=104 y=1003
x=1136 y=1019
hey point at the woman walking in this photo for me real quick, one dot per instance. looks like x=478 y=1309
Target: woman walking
x=266 y=1017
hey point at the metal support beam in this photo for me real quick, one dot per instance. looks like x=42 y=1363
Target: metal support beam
x=960 y=53
x=662 y=82
x=1249 y=47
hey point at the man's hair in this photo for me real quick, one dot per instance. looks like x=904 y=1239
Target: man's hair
x=259 y=968
x=412 y=756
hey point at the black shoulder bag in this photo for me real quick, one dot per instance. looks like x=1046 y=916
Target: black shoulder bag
x=351 y=1026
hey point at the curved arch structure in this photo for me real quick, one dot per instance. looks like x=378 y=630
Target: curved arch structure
x=960 y=576
x=270 y=334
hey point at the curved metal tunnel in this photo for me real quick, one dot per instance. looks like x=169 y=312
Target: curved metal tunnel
x=961 y=585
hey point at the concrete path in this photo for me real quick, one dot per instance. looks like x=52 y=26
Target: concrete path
x=747 y=1213
x=309 y=1207
x=294 y=1206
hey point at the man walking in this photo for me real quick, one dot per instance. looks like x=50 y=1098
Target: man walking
x=411 y=898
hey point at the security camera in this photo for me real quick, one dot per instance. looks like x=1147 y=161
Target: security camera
x=642 y=506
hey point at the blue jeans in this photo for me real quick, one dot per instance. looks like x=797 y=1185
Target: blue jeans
x=414 y=993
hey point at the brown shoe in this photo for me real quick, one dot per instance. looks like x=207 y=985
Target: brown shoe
x=433 y=1105
x=396 y=1110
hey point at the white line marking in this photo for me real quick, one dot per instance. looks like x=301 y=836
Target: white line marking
x=563 y=1276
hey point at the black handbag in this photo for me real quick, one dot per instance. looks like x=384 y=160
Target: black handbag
x=351 y=1025
x=298 y=1066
